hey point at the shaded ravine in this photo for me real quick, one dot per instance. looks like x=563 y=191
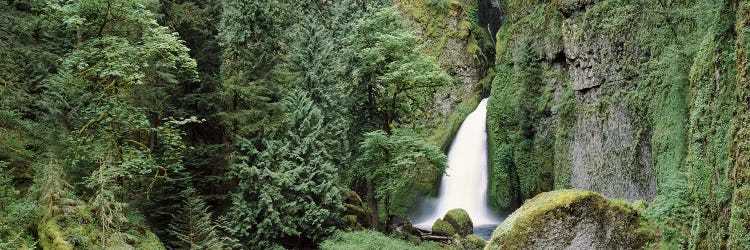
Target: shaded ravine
x=464 y=184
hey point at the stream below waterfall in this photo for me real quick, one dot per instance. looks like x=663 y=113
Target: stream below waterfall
x=464 y=184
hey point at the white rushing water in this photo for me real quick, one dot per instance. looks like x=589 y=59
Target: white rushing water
x=465 y=183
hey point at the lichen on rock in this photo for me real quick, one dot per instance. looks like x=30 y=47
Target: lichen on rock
x=572 y=219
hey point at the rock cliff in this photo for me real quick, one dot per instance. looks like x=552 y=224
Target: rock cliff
x=639 y=100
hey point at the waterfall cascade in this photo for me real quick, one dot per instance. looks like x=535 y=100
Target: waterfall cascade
x=464 y=184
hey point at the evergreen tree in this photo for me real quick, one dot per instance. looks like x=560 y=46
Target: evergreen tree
x=113 y=90
x=193 y=225
x=251 y=33
x=290 y=195
x=318 y=68
x=205 y=158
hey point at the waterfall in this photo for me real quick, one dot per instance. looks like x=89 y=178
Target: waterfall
x=464 y=184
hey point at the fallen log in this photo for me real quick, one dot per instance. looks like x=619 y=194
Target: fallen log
x=436 y=238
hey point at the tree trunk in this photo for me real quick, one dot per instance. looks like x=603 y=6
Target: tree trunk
x=389 y=219
x=373 y=203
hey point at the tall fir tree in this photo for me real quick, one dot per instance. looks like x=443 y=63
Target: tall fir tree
x=193 y=226
x=251 y=33
x=290 y=194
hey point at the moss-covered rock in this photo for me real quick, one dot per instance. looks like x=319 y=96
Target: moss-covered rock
x=571 y=219
x=473 y=241
x=460 y=220
x=455 y=222
x=443 y=228
x=355 y=217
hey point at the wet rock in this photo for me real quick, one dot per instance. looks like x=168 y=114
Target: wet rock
x=474 y=242
x=456 y=221
x=460 y=221
x=443 y=228
x=571 y=219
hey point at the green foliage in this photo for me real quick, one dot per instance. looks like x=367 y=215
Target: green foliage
x=438 y=5
x=206 y=154
x=319 y=68
x=17 y=214
x=193 y=225
x=250 y=34
x=526 y=155
x=441 y=20
x=397 y=168
x=680 y=73
x=739 y=234
x=392 y=76
x=370 y=240
x=521 y=163
x=292 y=187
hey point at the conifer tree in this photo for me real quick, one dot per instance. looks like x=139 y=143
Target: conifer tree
x=193 y=226
x=251 y=33
x=290 y=195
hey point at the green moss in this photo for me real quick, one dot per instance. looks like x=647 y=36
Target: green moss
x=69 y=224
x=441 y=20
x=474 y=242
x=443 y=134
x=566 y=108
x=370 y=240
x=442 y=227
x=149 y=241
x=51 y=236
x=739 y=221
x=684 y=81
x=521 y=229
x=460 y=221
x=524 y=141
x=572 y=6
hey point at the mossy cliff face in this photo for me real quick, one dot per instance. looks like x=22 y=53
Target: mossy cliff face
x=561 y=115
x=639 y=100
x=739 y=222
x=571 y=219
x=451 y=36
x=450 y=33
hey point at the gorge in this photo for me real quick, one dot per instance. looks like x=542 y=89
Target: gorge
x=321 y=124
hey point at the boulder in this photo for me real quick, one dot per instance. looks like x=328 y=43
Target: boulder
x=571 y=219
x=456 y=221
x=443 y=228
x=460 y=221
x=474 y=242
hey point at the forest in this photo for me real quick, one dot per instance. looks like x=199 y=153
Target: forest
x=324 y=124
